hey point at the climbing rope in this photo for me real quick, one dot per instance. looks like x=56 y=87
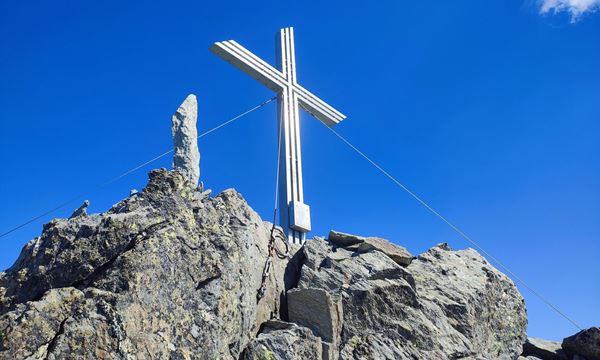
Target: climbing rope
x=72 y=199
x=272 y=249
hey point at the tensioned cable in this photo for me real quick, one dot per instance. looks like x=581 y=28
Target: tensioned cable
x=272 y=248
x=67 y=202
x=455 y=228
x=378 y=167
x=280 y=125
x=276 y=204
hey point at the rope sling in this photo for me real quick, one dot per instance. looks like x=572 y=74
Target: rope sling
x=272 y=250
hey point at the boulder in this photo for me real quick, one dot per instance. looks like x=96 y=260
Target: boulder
x=167 y=273
x=343 y=239
x=283 y=341
x=543 y=349
x=585 y=343
x=479 y=301
x=319 y=311
x=362 y=244
x=445 y=305
x=186 y=156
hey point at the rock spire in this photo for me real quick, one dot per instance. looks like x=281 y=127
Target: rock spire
x=186 y=158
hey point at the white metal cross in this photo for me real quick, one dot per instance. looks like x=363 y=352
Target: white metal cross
x=294 y=215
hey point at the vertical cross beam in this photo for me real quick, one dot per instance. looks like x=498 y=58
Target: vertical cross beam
x=294 y=215
x=291 y=190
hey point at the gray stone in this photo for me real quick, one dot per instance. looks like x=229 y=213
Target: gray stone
x=543 y=349
x=343 y=239
x=81 y=211
x=320 y=271
x=330 y=351
x=362 y=244
x=475 y=297
x=319 y=311
x=585 y=343
x=445 y=305
x=283 y=341
x=138 y=278
x=173 y=273
x=397 y=253
x=186 y=158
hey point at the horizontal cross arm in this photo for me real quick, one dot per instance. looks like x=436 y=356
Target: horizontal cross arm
x=243 y=59
x=317 y=107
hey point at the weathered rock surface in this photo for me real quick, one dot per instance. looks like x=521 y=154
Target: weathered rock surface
x=166 y=273
x=543 y=349
x=81 y=210
x=320 y=311
x=585 y=343
x=362 y=244
x=284 y=341
x=173 y=273
x=186 y=158
x=445 y=305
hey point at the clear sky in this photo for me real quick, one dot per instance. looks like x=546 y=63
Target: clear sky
x=489 y=110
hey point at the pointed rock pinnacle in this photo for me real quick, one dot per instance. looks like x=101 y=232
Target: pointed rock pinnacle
x=80 y=211
x=186 y=157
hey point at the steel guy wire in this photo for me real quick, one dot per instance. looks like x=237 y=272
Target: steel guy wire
x=456 y=229
x=116 y=178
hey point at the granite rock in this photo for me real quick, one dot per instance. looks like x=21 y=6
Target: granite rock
x=167 y=273
x=585 y=343
x=445 y=305
x=543 y=349
x=173 y=273
x=319 y=311
x=283 y=341
x=362 y=244
x=81 y=210
x=186 y=158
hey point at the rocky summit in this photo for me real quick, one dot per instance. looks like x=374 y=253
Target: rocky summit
x=172 y=272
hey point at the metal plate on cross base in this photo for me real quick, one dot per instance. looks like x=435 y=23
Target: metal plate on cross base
x=300 y=216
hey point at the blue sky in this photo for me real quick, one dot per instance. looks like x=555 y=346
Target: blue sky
x=489 y=110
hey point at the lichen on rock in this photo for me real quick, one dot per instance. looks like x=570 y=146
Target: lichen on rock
x=166 y=273
x=444 y=305
x=172 y=273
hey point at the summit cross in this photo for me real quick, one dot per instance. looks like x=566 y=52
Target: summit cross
x=294 y=215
